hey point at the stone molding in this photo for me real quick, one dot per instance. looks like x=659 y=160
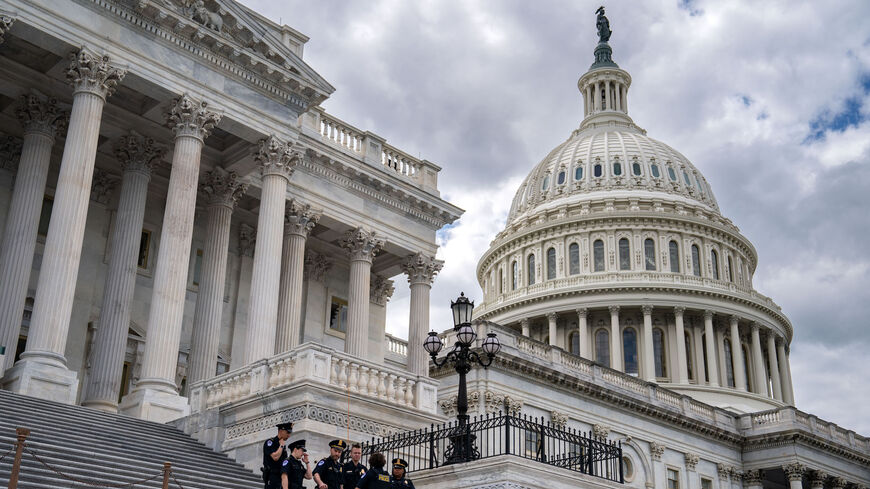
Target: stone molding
x=41 y=115
x=361 y=245
x=191 y=118
x=102 y=186
x=656 y=451
x=794 y=471
x=315 y=266
x=300 y=218
x=138 y=153
x=691 y=461
x=421 y=268
x=247 y=240
x=276 y=157
x=381 y=290
x=222 y=187
x=91 y=73
x=315 y=413
x=6 y=22
x=264 y=422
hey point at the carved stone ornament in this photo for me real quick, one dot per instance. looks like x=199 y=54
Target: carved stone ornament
x=692 y=461
x=299 y=218
x=600 y=430
x=6 y=22
x=103 y=185
x=41 y=116
x=276 y=157
x=656 y=450
x=191 y=118
x=753 y=477
x=204 y=16
x=493 y=402
x=421 y=269
x=818 y=478
x=723 y=471
x=10 y=153
x=559 y=420
x=794 y=471
x=139 y=153
x=222 y=187
x=93 y=74
x=448 y=406
x=514 y=406
x=381 y=290
x=247 y=240
x=838 y=482
x=362 y=245
x=315 y=266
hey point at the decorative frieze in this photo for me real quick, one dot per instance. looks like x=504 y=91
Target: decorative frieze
x=41 y=116
x=191 y=118
x=514 y=406
x=656 y=450
x=92 y=73
x=299 y=218
x=692 y=461
x=381 y=290
x=493 y=403
x=222 y=187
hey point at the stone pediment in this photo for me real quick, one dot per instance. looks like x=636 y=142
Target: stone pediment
x=230 y=30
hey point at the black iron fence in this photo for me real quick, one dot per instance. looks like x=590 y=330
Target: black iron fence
x=502 y=434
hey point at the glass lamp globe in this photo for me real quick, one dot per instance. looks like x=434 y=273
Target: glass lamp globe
x=433 y=343
x=461 y=310
x=491 y=345
x=466 y=334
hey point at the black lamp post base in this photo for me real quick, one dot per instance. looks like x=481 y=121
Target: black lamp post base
x=461 y=449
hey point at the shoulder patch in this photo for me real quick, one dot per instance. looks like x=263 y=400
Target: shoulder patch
x=320 y=463
x=383 y=477
x=269 y=443
x=285 y=462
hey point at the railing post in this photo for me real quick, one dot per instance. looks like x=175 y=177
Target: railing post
x=167 y=469
x=507 y=435
x=619 y=462
x=590 y=454
x=22 y=433
x=432 y=448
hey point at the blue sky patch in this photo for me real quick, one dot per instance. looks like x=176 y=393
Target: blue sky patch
x=850 y=115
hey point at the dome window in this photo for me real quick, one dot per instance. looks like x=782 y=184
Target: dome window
x=655 y=170
x=624 y=255
x=714 y=257
x=546 y=183
x=635 y=168
x=514 y=275
x=578 y=173
x=699 y=184
x=551 y=263
x=596 y=170
x=674 y=254
x=696 y=260
x=687 y=179
x=598 y=255
x=672 y=174
x=629 y=349
x=574 y=259
x=649 y=254
x=531 y=269
x=561 y=178
x=617 y=168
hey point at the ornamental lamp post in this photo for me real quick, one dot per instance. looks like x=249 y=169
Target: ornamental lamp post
x=461 y=447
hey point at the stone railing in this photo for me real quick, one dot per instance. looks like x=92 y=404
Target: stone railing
x=340 y=134
x=400 y=162
x=792 y=418
x=396 y=345
x=317 y=364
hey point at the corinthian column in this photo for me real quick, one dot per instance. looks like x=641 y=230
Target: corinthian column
x=784 y=373
x=553 y=333
x=277 y=162
x=221 y=190
x=758 y=361
x=737 y=355
x=362 y=246
x=421 y=271
x=682 y=359
x=712 y=367
x=156 y=397
x=583 y=333
x=299 y=220
x=774 y=365
x=41 y=121
x=649 y=365
x=93 y=79
x=137 y=155
x=615 y=340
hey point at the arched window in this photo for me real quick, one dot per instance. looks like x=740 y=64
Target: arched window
x=629 y=350
x=546 y=183
x=598 y=255
x=740 y=271
x=515 y=277
x=686 y=178
x=635 y=168
x=561 y=178
x=574 y=259
x=690 y=365
x=617 y=168
x=706 y=360
x=649 y=254
x=531 y=269
x=696 y=261
x=698 y=184
x=659 y=352
x=672 y=174
x=596 y=170
x=500 y=281
x=674 y=251
x=551 y=263
x=729 y=363
x=654 y=169
x=574 y=341
x=578 y=173
x=714 y=257
x=602 y=347
x=730 y=270
x=624 y=255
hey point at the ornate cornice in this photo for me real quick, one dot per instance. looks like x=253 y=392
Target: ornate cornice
x=93 y=74
x=793 y=436
x=314 y=413
x=138 y=153
x=191 y=118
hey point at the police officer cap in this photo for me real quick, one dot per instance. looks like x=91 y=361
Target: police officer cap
x=285 y=426
x=398 y=462
x=297 y=444
x=339 y=444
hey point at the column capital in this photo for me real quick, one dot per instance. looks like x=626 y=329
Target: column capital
x=421 y=269
x=524 y=321
x=753 y=477
x=679 y=310
x=646 y=309
x=6 y=22
x=733 y=319
x=138 y=153
x=38 y=115
x=381 y=290
x=191 y=118
x=656 y=450
x=838 y=482
x=692 y=461
x=708 y=314
x=276 y=157
x=818 y=478
x=551 y=316
x=93 y=73
x=247 y=240
x=315 y=266
x=754 y=326
x=794 y=471
x=361 y=245
x=582 y=312
x=723 y=470
x=613 y=310
x=222 y=187
x=299 y=218
x=102 y=186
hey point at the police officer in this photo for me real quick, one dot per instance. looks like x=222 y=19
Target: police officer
x=295 y=467
x=274 y=455
x=376 y=477
x=327 y=473
x=352 y=471
x=398 y=480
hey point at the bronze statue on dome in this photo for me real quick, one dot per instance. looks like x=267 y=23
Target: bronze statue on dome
x=603 y=26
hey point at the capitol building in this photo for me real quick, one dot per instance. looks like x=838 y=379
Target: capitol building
x=188 y=237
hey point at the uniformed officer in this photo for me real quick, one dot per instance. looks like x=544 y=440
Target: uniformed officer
x=398 y=479
x=327 y=473
x=295 y=467
x=353 y=470
x=274 y=455
x=376 y=477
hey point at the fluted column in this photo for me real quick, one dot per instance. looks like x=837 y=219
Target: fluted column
x=277 y=161
x=191 y=121
x=774 y=365
x=93 y=79
x=758 y=361
x=795 y=473
x=41 y=121
x=784 y=373
x=220 y=190
x=583 y=332
x=737 y=355
x=683 y=366
x=137 y=155
x=712 y=366
x=299 y=220
x=615 y=340
x=700 y=368
x=553 y=329
x=421 y=271
x=649 y=366
x=362 y=246
x=524 y=326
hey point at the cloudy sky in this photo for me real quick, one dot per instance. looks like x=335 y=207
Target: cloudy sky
x=770 y=100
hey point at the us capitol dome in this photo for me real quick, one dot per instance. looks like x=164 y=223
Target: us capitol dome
x=615 y=250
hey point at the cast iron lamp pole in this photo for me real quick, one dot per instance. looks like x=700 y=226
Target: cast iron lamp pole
x=463 y=358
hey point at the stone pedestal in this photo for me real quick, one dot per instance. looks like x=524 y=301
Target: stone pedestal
x=362 y=246
x=421 y=271
x=299 y=220
x=154 y=404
